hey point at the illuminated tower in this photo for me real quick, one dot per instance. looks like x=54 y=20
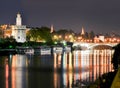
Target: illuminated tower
x=18 y=19
x=83 y=32
x=19 y=30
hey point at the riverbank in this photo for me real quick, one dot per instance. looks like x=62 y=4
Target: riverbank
x=105 y=81
x=7 y=51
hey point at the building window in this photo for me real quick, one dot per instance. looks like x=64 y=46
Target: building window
x=18 y=37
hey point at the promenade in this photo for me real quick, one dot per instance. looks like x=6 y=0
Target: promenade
x=116 y=81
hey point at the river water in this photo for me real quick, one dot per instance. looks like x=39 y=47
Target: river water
x=54 y=71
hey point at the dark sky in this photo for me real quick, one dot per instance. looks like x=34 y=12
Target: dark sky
x=101 y=16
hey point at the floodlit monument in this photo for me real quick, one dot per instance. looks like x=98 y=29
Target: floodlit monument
x=19 y=30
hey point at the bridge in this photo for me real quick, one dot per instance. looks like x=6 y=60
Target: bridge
x=84 y=45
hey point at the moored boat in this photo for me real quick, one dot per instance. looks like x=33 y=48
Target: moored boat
x=67 y=49
x=58 y=49
x=29 y=51
x=45 y=50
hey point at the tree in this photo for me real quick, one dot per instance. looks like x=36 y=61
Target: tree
x=91 y=35
x=65 y=33
x=45 y=34
x=10 y=39
x=32 y=34
x=40 y=34
x=86 y=35
x=116 y=57
x=1 y=32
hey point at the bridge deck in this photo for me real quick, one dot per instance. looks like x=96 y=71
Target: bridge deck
x=92 y=45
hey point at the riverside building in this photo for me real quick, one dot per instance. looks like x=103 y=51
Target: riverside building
x=19 y=30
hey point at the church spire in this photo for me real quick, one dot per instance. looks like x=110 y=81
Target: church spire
x=52 y=29
x=83 y=32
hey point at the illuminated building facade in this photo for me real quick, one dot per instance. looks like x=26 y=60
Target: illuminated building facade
x=5 y=31
x=19 y=30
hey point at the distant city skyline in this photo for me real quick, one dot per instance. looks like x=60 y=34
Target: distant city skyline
x=101 y=16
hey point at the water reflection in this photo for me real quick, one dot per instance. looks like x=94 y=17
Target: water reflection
x=83 y=65
x=19 y=71
x=54 y=71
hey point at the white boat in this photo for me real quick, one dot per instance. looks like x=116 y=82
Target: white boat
x=45 y=51
x=29 y=51
x=58 y=49
x=67 y=49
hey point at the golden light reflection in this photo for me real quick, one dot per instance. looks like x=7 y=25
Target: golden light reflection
x=86 y=66
x=55 y=61
x=55 y=80
x=70 y=61
x=13 y=72
x=70 y=79
x=59 y=60
x=17 y=75
x=6 y=73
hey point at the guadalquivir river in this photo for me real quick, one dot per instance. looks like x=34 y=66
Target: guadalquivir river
x=53 y=71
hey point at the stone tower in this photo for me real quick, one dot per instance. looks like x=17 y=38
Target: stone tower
x=18 y=19
x=19 y=30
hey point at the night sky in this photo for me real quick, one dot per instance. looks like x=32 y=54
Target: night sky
x=101 y=16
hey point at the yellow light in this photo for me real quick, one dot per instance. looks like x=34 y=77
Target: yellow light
x=55 y=37
x=65 y=37
x=70 y=36
x=60 y=36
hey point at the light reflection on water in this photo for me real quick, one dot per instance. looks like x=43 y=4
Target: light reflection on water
x=54 y=71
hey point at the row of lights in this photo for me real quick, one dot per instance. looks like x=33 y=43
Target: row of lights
x=80 y=39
